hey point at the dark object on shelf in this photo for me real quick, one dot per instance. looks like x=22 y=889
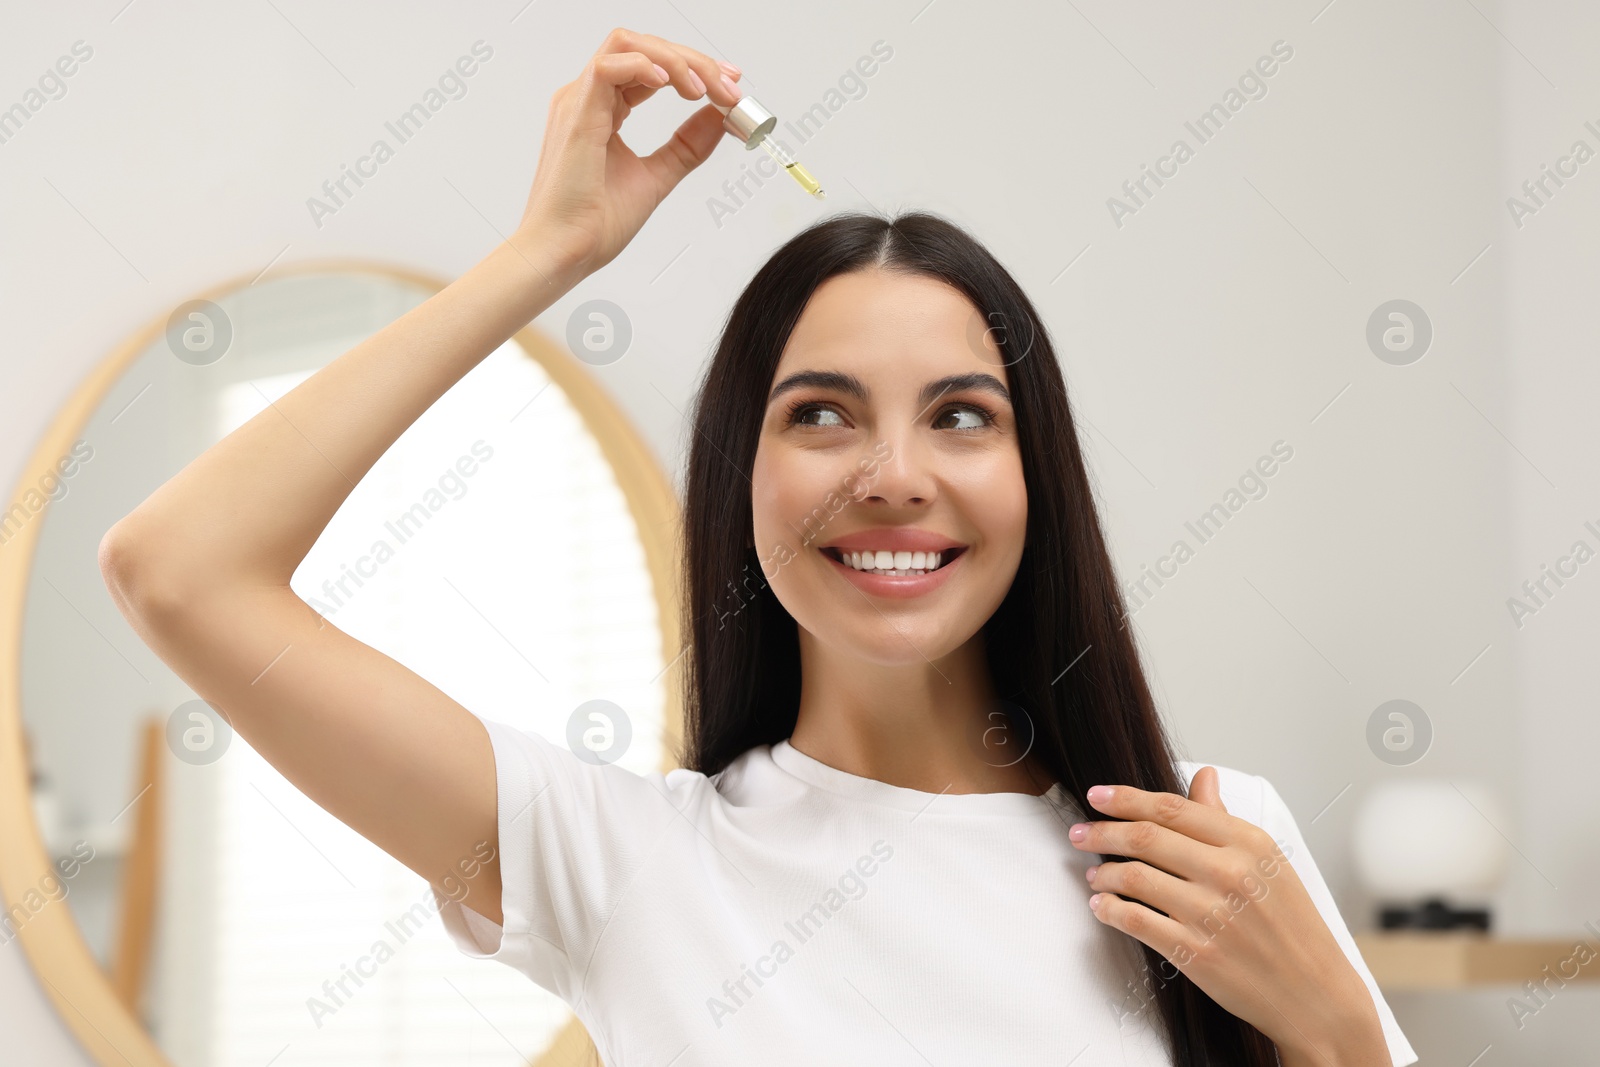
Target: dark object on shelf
x=1433 y=914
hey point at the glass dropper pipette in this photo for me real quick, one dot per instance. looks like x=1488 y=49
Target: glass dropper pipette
x=792 y=165
x=752 y=125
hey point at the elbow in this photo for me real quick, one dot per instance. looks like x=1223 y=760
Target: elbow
x=116 y=558
x=142 y=583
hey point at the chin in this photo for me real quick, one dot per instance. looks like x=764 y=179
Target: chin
x=890 y=638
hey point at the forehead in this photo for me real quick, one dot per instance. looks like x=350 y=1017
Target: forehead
x=878 y=319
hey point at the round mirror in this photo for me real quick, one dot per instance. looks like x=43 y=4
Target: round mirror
x=181 y=902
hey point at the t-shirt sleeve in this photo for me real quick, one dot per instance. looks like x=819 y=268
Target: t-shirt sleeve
x=572 y=836
x=1277 y=820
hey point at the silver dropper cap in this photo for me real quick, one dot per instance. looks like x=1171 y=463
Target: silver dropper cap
x=747 y=120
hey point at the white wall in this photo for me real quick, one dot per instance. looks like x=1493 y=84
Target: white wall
x=1223 y=316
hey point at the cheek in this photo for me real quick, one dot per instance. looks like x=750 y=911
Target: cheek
x=769 y=491
x=998 y=505
x=779 y=502
x=783 y=493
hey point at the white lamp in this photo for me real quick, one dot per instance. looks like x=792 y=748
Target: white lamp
x=1429 y=850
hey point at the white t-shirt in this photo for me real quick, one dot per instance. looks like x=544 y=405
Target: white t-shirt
x=786 y=912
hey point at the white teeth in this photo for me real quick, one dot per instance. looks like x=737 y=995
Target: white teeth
x=894 y=563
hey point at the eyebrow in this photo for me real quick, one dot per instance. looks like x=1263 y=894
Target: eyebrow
x=850 y=384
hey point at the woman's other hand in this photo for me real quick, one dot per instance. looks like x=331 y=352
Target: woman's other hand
x=1215 y=895
x=591 y=192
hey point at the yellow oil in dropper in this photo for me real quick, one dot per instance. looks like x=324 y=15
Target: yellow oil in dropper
x=790 y=164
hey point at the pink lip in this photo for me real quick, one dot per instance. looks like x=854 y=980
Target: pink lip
x=893 y=539
x=899 y=586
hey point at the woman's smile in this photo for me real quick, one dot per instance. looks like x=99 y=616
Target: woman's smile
x=894 y=561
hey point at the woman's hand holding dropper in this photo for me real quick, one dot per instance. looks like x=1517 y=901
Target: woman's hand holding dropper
x=591 y=192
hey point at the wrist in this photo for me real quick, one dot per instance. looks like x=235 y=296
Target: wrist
x=553 y=260
x=1353 y=1042
x=527 y=276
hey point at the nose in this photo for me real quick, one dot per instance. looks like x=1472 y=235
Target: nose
x=904 y=477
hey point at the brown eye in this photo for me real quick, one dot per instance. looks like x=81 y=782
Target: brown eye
x=801 y=414
x=983 y=416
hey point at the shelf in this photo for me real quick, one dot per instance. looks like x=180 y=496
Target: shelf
x=1448 y=960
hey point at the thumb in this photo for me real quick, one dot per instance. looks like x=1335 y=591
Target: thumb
x=1205 y=789
x=690 y=146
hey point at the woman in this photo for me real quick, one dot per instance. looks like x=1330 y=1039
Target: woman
x=915 y=718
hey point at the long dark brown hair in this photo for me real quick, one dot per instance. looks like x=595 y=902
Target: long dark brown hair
x=1093 y=723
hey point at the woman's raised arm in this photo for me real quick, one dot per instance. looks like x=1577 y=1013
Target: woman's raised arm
x=201 y=568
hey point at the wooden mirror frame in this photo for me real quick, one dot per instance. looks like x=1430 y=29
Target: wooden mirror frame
x=61 y=959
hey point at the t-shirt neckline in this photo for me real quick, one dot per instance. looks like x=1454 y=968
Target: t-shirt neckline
x=856 y=787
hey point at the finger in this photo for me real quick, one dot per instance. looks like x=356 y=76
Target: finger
x=1166 y=936
x=1203 y=822
x=601 y=92
x=638 y=94
x=1155 y=844
x=1157 y=888
x=619 y=70
x=690 y=146
x=1206 y=788
x=634 y=95
x=694 y=74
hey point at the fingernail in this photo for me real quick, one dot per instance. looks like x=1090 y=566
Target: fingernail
x=694 y=80
x=727 y=83
x=733 y=71
x=1091 y=872
x=1099 y=794
x=1094 y=902
x=1078 y=831
x=665 y=77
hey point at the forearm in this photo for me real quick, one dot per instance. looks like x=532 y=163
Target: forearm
x=250 y=508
